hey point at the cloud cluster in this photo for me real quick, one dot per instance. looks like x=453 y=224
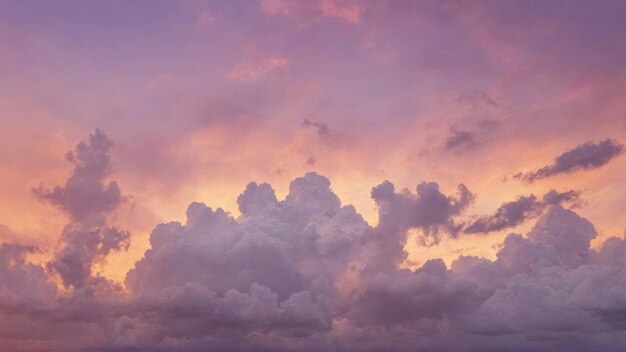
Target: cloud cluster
x=307 y=273
x=86 y=198
x=586 y=156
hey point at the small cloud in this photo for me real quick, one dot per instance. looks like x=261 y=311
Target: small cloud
x=349 y=12
x=278 y=7
x=323 y=131
x=587 y=156
x=252 y=69
x=204 y=19
x=477 y=99
x=555 y=197
x=461 y=140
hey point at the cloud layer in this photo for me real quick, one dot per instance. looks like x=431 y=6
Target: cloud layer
x=307 y=273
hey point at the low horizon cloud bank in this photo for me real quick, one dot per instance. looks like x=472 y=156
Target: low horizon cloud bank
x=309 y=274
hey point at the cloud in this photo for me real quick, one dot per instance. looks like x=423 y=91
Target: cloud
x=84 y=193
x=86 y=198
x=324 y=133
x=204 y=19
x=477 y=99
x=555 y=197
x=252 y=69
x=309 y=273
x=428 y=209
x=347 y=11
x=461 y=139
x=586 y=156
x=471 y=136
x=511 y=214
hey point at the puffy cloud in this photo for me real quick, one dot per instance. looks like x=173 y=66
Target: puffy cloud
x=567 y=232
x=586 y=156
x=82 y=245
x=428 y=209
x=308 y=273
x=85 y=193
x=87 y=198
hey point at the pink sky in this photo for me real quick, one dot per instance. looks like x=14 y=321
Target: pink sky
x=201 y=98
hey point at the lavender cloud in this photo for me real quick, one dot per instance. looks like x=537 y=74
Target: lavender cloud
x=555 y=197
x=84 y=193
x=461 y=139
x=428 y=209
x=86 y=198
x=586 y=156
x=511 y=214
x=307 y=273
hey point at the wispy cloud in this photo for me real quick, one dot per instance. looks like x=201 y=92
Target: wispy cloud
x=252 y=69
x=587 y=156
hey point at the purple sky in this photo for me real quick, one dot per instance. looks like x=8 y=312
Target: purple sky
x=408 y=144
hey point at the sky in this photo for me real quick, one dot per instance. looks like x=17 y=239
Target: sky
x=316 y=175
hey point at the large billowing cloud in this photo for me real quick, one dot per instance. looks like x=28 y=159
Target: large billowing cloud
x=586 y=156
x=307 y=273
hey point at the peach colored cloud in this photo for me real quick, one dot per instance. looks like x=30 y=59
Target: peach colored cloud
x=250 y=70
x=348 y=11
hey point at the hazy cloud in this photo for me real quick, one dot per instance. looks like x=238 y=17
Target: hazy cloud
x=461 y=139
x=252 y=69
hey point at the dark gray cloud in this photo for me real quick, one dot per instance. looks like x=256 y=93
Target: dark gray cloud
x=586 y=156
x=511 y=214
x=306 y=273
